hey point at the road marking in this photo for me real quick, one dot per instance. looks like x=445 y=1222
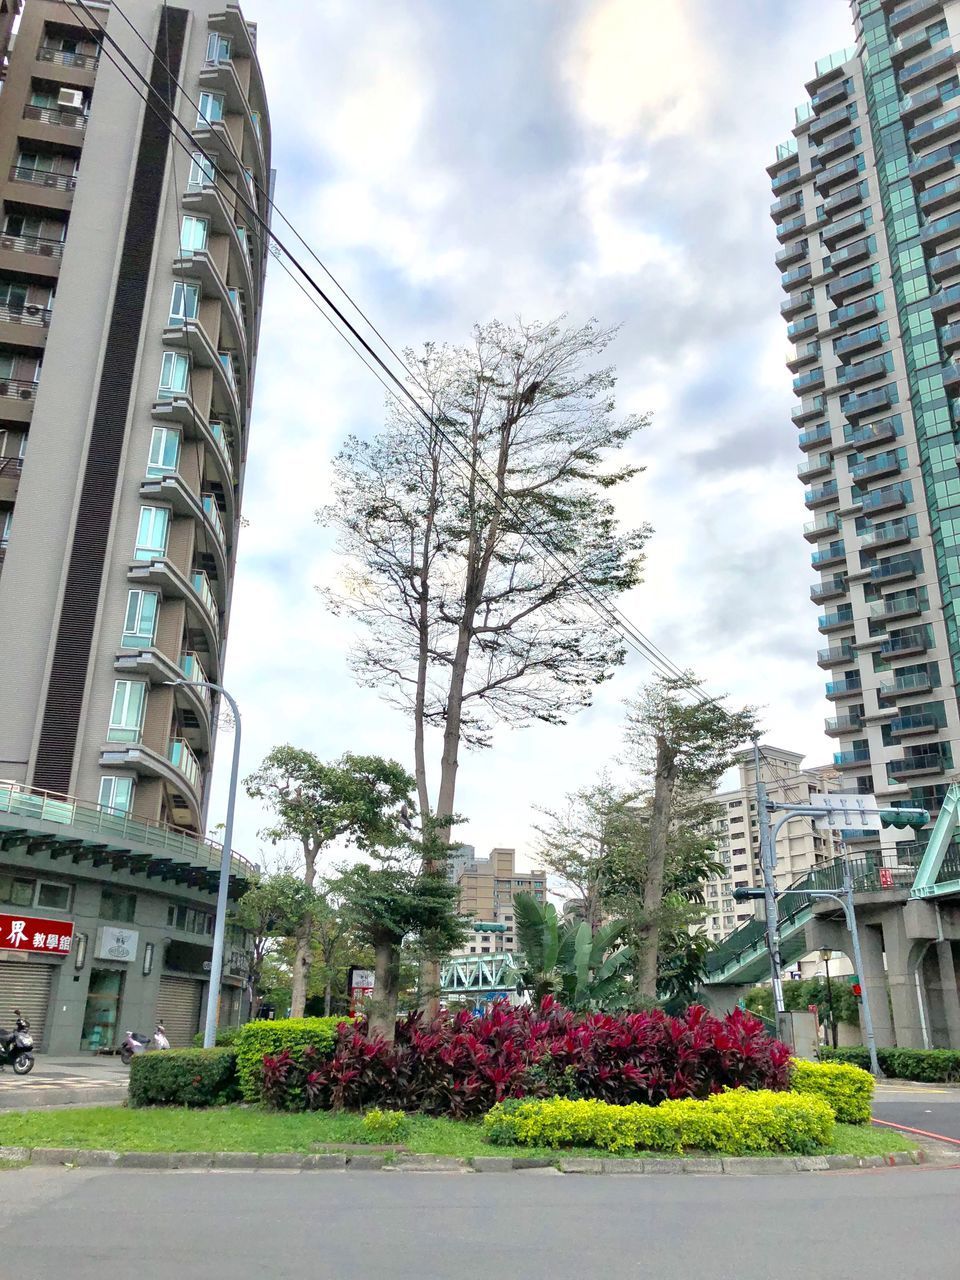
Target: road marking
x=923 y=1133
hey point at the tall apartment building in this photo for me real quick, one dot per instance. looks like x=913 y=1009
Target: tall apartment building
x=131 y=281
x=737 y=833
x=867 y=211
x=487 y=888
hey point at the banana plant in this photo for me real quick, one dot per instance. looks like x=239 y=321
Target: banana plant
x=583 y=970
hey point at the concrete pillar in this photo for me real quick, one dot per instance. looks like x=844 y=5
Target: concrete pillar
x=950 y=994
x=874 y=982
x=901 y=953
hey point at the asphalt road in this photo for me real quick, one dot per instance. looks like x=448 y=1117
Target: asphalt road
x=931 y=1107
x=65 y=1081
x=87 y=1224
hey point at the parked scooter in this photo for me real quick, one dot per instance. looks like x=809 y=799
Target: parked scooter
x=134 y=1044
x=16 y=1047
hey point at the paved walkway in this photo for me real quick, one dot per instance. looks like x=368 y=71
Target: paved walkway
x=59 y=1082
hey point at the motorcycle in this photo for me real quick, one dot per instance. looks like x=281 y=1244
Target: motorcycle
x=16 y=1047
x=134 y=1044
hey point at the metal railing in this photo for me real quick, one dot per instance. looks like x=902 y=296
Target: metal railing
x=55 y=115
x=43 y=245
x=10 y=466
x=93 y=820
x=64 y=59
x=18 y=388
x=43 y=177
x=27 y=313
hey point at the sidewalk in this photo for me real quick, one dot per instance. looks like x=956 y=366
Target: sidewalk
x=62 y=1082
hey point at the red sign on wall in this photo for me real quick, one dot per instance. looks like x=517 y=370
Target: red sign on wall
x=32 y=933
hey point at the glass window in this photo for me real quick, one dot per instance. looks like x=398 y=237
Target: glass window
x=13 y=296
x=164 y=451
x=16 y=890
x=185 y=303
x=152 y=533
x=57 y=896
x=193 y=234
x=211 y=108
x=115 y=904
x=140 y=623
x=202 y=171
x=116 y=794
x=126 y=714
x=174 y=375
x=218 y=47
x=6 y=522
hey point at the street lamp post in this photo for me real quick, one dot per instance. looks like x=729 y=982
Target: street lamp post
x=825 y=955
x=220 y=927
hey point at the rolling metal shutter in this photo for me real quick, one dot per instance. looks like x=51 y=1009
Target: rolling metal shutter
x=178 y=1008
x=25 y=987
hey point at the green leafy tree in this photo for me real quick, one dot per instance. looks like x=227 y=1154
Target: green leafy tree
x=684 y=745
x=357 y=800
x=582 y=967
x=275 y=907
x=466 y=620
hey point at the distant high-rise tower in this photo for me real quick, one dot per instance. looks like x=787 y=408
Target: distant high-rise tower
x=131 y=280
x=867 y=210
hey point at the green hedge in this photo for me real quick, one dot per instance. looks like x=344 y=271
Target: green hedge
x=184 y=1078
x=930 y=1065
x=226 y=1037
x=739 y=1122
x=259 y=1038
x=847 y=1089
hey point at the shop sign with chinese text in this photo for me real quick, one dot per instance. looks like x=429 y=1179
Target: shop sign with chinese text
x=33 y=933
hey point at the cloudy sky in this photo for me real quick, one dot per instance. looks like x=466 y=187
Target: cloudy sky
x=453 y=162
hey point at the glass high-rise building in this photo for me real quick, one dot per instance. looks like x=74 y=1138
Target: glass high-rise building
x=867 y=210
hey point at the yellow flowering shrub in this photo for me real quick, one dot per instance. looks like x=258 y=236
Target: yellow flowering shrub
x=848 y=1089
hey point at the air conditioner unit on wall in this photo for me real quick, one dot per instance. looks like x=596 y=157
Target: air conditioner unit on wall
x=72 y=98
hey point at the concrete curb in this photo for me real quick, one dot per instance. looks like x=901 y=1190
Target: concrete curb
x=239 y=1160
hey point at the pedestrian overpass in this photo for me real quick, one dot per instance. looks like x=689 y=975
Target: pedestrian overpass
x=487 y=976
x=911 y=871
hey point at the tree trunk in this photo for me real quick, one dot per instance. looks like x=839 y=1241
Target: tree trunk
x=327 y=999
x=664 y=784
x=386 y=990
x=301 y=971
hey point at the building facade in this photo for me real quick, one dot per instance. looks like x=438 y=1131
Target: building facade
x=131 y=282
x=737 y=833
x=867 y=212
x=487 y=889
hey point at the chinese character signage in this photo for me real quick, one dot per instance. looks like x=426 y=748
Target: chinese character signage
x=117 y=944
x=30 y=933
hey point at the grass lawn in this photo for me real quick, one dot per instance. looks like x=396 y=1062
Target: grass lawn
x=252 y=1129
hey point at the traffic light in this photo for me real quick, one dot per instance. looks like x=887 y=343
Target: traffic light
x=901 y=818
x=744 y=895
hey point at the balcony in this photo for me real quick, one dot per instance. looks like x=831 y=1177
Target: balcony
x=796 y=303
x=192 y=669
x=887 y=498
x=784 y=181
x=926 y=167
x=843 y=227
x=945 y=299
x=851 y=759
x=828 y=178
x=821 y=494
x=812 y=407
x=786 y=204
x=849 y=254
x=43 y=178
x=830 y=93
x=201 y=585
x=913 y=722
x=845 y=285
x=940 y=229
x=937 y=128
x=863 y=371
x=828 y=556
x=870 y=436
x=815 y=467
x=29 y=314
x=951 y=375
x=212 y=512
x=862 y=340
x=794 y=252
x=803 y=356
x=867 y=402
x=840 y=199
x=790 y=226
x=840 y=317
x=833 y=621
x=916 y=73
x=887 y=535
x=942 y=193
x=790 y=279
x=838 y=725
x=915 y=764
x=808 y=381
x=836 y=656
x=182 y=758
x=837 y=145
x=17 y=389
x=950 y=337
x=906 y=14
x=814 y=530
x=905 y=605
x=830 y=589
x=800 y=328
x=821 y=125
x=944 y=264
x=61 y=58
x=64 y=119
x=810 y=439
x=909 y=45
x=904 y=644
x=43 y=246
x=846 y=688
x=913 y=682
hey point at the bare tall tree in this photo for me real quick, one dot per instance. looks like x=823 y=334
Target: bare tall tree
x=473 y=544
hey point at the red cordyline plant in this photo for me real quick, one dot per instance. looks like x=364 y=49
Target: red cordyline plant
x=459 y=1064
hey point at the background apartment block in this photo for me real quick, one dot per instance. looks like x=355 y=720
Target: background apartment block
x=737 y=833
x=867 y=211
x=131 y=279
x=487 y=888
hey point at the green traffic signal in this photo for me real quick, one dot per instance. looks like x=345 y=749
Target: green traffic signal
x=901 y=818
